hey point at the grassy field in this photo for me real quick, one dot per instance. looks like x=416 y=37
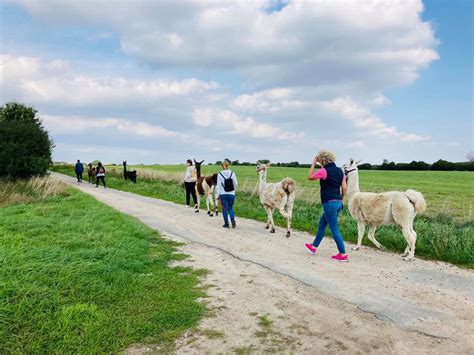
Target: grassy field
x=440 y=235
x=79 y=277
x=446 y=192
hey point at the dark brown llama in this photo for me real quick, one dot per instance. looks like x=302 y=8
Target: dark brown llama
x=205 y=186
x=129 y=175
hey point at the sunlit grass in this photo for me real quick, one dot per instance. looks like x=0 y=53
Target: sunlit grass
x=440 y=235
x=77 y=276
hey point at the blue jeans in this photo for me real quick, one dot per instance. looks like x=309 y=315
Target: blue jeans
x=331 y=210
x=227 y=207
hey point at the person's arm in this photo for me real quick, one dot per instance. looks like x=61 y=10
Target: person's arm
x=234 y=178
x=218 y=186
x=343 y=187
x=321 y=174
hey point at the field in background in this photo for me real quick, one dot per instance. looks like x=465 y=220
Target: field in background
x=446 y=192
x=440 y=236
x=77 y=276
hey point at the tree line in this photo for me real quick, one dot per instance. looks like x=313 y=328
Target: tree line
x=439 y=165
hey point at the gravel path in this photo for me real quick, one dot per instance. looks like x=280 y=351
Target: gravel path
x=269 y=294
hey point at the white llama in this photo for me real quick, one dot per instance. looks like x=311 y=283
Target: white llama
x=276 y=195
x=375 y=209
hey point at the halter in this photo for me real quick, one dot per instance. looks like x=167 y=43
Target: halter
x=349 y=171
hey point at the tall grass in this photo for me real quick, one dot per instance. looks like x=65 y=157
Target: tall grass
x=440 y=237
x=76 y=276
x=36 y=188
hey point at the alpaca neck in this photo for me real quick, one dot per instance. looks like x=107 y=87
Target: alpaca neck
x=262 y=179
x=353 y=184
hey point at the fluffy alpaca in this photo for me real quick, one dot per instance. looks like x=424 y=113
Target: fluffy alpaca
x=129 y=175
x=276 y=195
x=205 y=186
x=91 y=172
x=376 y=209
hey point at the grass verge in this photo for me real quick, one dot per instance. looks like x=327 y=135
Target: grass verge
x=79 y=277
x=440 y=237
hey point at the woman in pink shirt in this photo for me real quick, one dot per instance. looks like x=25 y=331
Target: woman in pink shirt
x=333 y=188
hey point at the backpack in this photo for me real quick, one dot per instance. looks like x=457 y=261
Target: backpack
x=228 y=183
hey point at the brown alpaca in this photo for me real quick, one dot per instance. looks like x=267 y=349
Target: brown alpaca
x=91 y=173
x=205 y=186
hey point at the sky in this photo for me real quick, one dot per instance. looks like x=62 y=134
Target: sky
x=163 y=81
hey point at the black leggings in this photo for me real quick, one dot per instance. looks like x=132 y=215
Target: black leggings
x=98 y=178
x=79 y=177
x=190 y=190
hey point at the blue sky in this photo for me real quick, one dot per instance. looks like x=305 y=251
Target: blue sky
x=161 y=82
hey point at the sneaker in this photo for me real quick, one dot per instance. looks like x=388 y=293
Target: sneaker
x=310 y=248
x=340 y=257
x=225 y=226
x=233 y=223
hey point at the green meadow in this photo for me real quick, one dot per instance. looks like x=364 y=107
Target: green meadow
x=445 y=232
x=446 y=192
x=76 y=276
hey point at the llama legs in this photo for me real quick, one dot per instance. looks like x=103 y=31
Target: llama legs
x=286 y=215
x=371 y=236
x=411 y=241
x=198 y=204
x=270 y=219
x=360 y=235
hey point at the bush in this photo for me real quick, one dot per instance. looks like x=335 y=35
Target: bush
x=25 y=147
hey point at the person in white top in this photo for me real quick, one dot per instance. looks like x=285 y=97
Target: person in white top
x=190 y=182
x=225 y=191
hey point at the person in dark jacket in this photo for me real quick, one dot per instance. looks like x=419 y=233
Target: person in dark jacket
x=100 y=174
x=79 y=169
x=333 y=188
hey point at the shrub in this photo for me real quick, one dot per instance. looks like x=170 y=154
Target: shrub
x=25 y=147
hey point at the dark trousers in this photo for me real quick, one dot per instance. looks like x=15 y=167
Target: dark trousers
x=190 y=191
x=99 y=178
x=79 y=176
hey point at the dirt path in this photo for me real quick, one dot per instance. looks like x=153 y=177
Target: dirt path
x=268 y=294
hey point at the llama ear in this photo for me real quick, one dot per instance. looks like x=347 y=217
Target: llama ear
x=358 y=161
x=258 y=163
x=195 y=161
x=268 y=164
x=352 y=161
x=202 y=161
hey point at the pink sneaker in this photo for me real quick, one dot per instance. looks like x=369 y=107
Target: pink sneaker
x=340 y=257
x=310 y=248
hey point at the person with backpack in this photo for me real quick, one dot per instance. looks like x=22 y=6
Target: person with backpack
x=100 y=175
x=225 y=191
x=190 y=182
x=79 y=169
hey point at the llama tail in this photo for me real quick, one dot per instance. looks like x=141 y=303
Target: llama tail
x=417 y=199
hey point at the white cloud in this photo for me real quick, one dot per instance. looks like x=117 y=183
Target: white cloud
x=270 y=101
x=38 y=80
x=366 y=121
x=75 y=125
x=365 y=44
x=242 y=125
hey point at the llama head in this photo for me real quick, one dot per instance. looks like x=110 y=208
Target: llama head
x=262 y=166
x=352 y=166
x=124 y=163
x=198 y=163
